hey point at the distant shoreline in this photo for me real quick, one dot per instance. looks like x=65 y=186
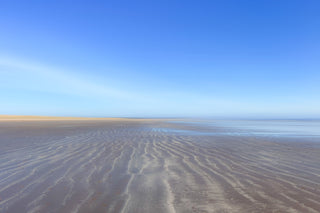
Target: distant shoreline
x=32 y=117
x=70 y=118
x=44 y=117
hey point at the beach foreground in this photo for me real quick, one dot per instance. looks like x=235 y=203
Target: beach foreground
x=132 y=165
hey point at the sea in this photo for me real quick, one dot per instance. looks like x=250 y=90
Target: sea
x=259 y=127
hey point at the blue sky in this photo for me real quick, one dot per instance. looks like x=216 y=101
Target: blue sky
x=160 y=58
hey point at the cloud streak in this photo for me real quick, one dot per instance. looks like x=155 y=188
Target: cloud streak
x=58 y=80
x=24 y=76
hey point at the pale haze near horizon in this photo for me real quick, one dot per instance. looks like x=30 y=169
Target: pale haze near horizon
x=160 y=59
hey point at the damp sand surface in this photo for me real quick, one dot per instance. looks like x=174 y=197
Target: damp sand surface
x=139 y=165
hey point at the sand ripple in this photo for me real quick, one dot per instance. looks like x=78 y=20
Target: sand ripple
x=140 y=166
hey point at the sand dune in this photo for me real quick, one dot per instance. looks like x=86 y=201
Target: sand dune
x=140 y=166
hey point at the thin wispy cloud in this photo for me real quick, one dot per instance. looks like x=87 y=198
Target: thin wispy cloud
x=26 y=76
x=58 y=80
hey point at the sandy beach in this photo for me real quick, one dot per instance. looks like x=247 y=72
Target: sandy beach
x=139 y=165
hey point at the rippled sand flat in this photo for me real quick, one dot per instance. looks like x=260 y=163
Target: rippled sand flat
x=141 y=166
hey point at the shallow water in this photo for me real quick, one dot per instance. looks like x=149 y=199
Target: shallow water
x=273 y=128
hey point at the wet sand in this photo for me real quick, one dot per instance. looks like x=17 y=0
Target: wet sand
x=141 y=166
